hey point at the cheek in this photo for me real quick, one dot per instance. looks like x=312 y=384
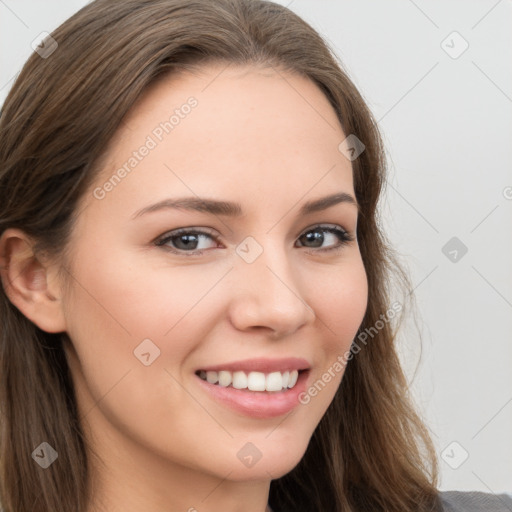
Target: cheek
x=128 y=298
x=342 y=300
x=119 y=303
x=111 y=311
x=340 y=305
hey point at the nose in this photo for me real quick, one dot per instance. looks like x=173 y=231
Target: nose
x=268 y=294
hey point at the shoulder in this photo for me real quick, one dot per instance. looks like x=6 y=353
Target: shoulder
x=474 y=501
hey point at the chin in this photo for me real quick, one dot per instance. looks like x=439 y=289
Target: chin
x=276 y=459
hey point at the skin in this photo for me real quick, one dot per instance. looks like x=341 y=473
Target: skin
x=269 y=141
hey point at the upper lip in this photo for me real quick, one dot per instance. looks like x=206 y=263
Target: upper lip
x=264 y=365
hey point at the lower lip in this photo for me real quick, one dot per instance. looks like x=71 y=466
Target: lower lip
x=257 y=404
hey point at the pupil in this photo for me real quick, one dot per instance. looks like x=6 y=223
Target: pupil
x=315 y=236
x=187 y=239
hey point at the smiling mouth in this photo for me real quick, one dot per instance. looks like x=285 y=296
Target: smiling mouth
x=273 y=382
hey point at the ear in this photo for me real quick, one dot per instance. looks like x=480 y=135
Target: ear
x=31 y=285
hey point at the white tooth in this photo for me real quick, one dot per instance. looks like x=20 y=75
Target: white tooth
x=286 y=376
x=224 y=378
x=274 y=382
x=239 y=380
x=293 y=378
x=212 y=377
x=256 y=381
x=202 y=374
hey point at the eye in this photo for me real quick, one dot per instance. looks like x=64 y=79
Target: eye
x=186 y=241
x=183 y=240
x=317 y=237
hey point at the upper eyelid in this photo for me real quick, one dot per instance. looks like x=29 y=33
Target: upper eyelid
x=214 y=234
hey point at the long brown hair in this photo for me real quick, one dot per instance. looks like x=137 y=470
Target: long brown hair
x=371 y=451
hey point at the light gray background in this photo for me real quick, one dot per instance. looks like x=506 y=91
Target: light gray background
x=448 y=129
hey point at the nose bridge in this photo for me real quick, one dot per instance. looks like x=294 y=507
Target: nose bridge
x=263 y=260
x=272 y=295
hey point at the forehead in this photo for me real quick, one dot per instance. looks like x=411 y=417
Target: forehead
x=259 y=132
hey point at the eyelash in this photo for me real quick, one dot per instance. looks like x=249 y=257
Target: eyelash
x=344 y=236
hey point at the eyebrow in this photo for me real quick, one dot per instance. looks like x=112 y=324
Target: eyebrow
x=230 y=209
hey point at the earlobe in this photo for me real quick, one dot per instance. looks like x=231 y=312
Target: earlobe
x=29 y=282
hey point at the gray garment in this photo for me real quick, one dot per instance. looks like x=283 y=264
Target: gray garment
x=473 y=501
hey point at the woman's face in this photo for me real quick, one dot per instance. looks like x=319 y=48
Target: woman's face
x=257 y=287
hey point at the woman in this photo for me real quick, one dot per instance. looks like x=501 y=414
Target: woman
x=170 y=340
